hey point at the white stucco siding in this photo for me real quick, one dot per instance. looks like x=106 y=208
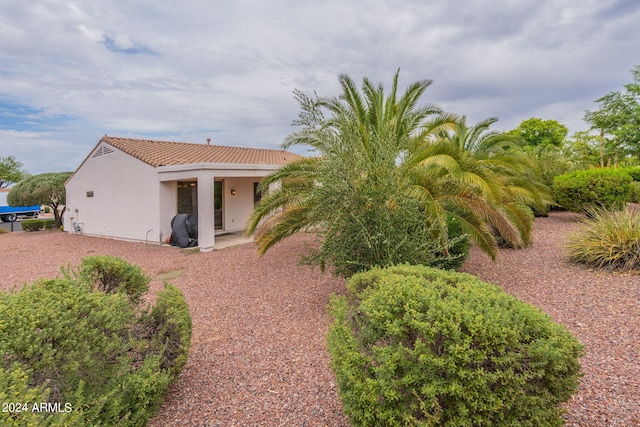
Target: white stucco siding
x=125 y=202
x=113 y=194
x=238 y=207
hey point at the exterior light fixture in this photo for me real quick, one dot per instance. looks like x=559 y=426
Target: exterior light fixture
x=233 y=191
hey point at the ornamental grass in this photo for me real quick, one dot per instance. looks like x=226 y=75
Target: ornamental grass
x=608 y=240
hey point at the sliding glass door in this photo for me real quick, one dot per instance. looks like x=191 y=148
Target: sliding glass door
x=188 y=201
x=218 y=205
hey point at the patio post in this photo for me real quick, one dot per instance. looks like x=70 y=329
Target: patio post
x=206 y=217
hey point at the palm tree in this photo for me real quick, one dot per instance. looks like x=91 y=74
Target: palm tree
x=397 y=153
x=481 y=178
x=446 y=187
x=366 y=133
x=502 y=157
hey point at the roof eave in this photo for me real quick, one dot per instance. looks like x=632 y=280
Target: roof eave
x=217 y=166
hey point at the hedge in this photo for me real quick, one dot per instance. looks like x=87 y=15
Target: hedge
x=38 y=224
x=606 y=188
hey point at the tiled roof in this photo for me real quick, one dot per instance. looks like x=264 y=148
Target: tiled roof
x=163 y=153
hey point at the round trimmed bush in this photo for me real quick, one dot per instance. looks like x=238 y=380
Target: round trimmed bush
x=38 y=224
x=607 y=188
x=32 y=225
x=103 y=359
x=415 y=345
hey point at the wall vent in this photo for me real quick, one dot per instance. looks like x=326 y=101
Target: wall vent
x=102 y=151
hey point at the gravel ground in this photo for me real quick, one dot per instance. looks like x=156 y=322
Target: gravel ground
x=602 y=310
x=258 y=354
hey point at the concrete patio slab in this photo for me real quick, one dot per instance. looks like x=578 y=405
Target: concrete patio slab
x=228 y=240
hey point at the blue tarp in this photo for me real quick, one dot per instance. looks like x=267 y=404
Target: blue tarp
x=18 y=210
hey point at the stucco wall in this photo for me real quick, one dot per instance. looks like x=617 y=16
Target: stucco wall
x=125 y=202
x=238 y=208
x=132 y=200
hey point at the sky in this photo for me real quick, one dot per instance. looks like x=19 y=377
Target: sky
x=72 y=71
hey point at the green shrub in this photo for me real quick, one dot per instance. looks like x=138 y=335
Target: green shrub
x=607 y=188
x=64 y=342
x=47 y=209
x=15 y=389
x=633 y=171
x=32 y=225
x=635 y=192
x=421 y=346
x=374 y=232
x=111 y=274
x=608 y=240
x=459 y=250
x=3 y=231
x=65 y=337
x=38 y=224
x=168 y=329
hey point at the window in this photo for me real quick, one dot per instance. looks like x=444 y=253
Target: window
x=188 y=197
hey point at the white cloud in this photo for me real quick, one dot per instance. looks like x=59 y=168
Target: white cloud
x=226 y=70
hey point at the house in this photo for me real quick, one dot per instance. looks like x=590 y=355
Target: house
x=131 y=189
x=4 y=192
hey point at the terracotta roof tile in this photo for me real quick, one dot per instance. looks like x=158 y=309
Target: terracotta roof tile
x=163 y=153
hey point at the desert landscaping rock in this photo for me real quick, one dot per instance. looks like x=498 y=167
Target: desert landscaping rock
x=258 y=355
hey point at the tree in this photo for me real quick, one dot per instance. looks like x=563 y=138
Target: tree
x=552 y=161
x=541 y=132
x=500 y=158
x=43 y=189
x=381 y=158
x=10 y=171
x=484 y=180
x=618 y=117
x=589 y=150
x=354 y=192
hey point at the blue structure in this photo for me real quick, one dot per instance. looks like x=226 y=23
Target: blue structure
x=11 y=213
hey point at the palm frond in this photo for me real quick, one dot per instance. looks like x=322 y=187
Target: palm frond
x=492 y=215
x=477 y=231
x=522 y=217
x=306 y=168
x=286 y=223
